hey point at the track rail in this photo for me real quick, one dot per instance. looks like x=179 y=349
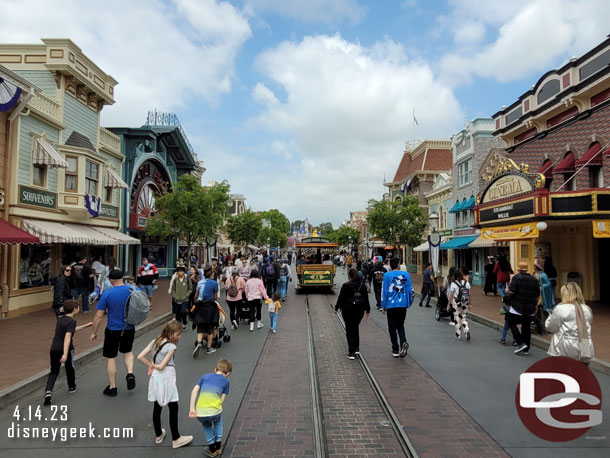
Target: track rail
x=405 y=443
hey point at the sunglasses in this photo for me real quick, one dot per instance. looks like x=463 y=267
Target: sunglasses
x=68 y=270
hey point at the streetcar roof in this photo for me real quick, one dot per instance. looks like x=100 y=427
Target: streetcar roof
x=317 y=245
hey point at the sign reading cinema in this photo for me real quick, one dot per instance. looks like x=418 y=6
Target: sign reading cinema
x=507 y=186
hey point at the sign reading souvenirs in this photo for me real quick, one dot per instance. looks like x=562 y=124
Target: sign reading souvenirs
x=509 y=180
x=108 y=211
x=31 y=196
x=502 y=212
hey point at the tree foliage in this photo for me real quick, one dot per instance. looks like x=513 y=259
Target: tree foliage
x=244 y=229
x=276 y=233
x=326 y=229
x=191 y=213
x=398 y=223
x=345 y=236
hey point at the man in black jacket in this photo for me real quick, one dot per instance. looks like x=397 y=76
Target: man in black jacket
x=523 y=291
x=353 y=301
x=376 y=275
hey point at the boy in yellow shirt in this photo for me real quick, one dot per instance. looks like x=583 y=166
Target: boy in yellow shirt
x=274 y=305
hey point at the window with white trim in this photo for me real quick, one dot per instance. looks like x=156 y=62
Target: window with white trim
x=465 y=173
x=39 y=175
x=92 y=172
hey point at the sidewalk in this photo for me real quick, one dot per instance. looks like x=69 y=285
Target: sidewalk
x=487 y=308
x=28 y=338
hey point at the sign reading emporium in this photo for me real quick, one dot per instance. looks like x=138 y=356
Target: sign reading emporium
x=37 y=197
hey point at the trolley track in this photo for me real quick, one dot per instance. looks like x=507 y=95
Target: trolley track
x=401 y=436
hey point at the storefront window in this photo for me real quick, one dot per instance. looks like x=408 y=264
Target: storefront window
x=34 y=266
x=156 y=254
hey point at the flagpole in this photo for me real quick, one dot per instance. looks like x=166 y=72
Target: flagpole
x=413 y=122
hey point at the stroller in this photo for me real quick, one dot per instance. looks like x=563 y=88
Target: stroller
x=244 y=313
x=223 y=333
x=441 y=305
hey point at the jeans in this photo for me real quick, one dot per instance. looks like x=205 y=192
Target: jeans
x=426 y=292
x=525 y=336
x=81 y=292
x=396 y=327
x=502 y=288
x=505 y=329
x=283 y=286
x=273 y=320
x=56 y=365
x=212 y=428
x=147 y=289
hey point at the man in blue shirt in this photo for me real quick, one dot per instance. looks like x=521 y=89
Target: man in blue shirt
x=396 y=297
x=206 y=312
x=117 y=336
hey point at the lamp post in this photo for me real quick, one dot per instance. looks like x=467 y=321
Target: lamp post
x=434 y=241
x=433 y=221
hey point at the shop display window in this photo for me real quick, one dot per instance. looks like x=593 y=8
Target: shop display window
x=35 y=264
x=155 y=253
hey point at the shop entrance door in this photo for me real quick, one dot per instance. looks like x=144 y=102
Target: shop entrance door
x=603 y=247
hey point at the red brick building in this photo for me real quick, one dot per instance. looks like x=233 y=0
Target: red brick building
x=547 y=191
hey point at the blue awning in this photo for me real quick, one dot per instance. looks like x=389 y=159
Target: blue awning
x=457 y=243
x=455 y=207
x=469 y=205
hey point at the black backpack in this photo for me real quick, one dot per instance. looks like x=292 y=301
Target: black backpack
x=358 y=298
x=463 y=296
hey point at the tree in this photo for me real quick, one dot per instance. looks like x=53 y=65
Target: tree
x=398 y=223
x=275 y=233
x=345 y=236
x=244 y=229
x=191 y=213
x=326 y=229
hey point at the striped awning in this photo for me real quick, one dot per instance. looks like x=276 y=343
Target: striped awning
x=54 y=232
x=44 y=153
x=482 y=243
x=423 y=247
x=113 y=180
x=121 y=239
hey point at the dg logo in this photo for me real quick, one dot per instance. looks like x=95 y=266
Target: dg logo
x=559 y=399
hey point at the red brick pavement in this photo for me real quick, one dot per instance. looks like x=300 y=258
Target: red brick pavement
x=354 y=423
x=275 y=416
x=28 y=337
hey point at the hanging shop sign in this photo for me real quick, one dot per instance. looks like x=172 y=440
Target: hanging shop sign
x=601 y=228
x=509 y=180
x=505 y=212
x=514 y=232
x=36 y=197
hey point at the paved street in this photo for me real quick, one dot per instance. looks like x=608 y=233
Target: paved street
x=453 y=398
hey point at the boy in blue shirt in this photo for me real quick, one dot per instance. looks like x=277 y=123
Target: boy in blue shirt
x=206 y=404
x=396 y=297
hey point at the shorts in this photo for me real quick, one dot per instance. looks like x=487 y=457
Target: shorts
x=206 y=328
x=147 y=289
x=117 y=341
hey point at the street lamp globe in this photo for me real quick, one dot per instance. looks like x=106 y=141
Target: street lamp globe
x=433 y=220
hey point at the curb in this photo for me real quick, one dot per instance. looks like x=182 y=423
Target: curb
x=37 y=381
x=595 y=364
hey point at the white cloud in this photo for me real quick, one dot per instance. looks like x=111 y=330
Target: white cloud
x=164 y=54
x=325 y=11
x=347 y=110
x=531 y=36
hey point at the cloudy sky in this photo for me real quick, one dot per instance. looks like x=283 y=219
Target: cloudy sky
x=305 y=105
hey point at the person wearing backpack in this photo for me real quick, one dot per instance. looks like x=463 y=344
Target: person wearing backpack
x=459 y=301
x=118 y=335
x=270 y=276
x=397 y=296
x=353 y=301
x=181 y=290
x=235 y=286
x=376 y=275
x=285 y=277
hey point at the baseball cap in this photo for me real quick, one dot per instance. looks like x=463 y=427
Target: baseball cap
x=115 y=274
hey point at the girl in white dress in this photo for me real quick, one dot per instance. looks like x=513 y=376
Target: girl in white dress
x=162 y=388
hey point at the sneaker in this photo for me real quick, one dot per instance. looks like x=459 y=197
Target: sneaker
x=458 y=336
x=526 y=352
x=234 y=324
x=112 y=392
x=209 y=453
x=259 y=325
x=159 y=439
x=468 y=336
x=274 y=331
x=514 y=343
x=502 y=341
x=131 y=381
x=403 y=350
x=452 y=323
x=521 y=348
x=47 y=398
x=181 y=441
x=72 y=389
x=395 y=355
x=357 y=352
x=351 y=356
x=197 y=349
x=210 y=350
x=429 y=306
x=85 y=311
x=420 y=304
x=251 y=326
x=184 y=327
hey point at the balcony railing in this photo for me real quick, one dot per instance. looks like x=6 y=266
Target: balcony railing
x=45 y=106
x=109 y=140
